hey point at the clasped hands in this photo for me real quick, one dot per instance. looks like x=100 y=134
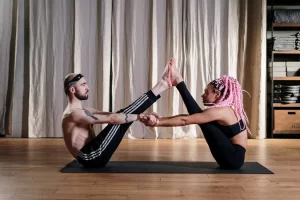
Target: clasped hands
x=151 y=119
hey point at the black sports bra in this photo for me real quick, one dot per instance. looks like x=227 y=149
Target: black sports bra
x=232 y=130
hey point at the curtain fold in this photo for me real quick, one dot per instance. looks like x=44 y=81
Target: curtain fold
x=18 y=121
x=50 y=58
x=6 y=14
x=42 y=41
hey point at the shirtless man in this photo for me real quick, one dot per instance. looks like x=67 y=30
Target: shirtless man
x=77 y=121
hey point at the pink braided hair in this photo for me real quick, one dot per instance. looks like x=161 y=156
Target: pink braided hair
x=232 y=95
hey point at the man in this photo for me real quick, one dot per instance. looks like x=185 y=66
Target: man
x=77 y=121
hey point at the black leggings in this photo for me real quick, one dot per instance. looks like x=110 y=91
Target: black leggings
x=98 y=151
x=227 y=155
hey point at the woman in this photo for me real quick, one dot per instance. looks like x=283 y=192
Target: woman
x=223 y=123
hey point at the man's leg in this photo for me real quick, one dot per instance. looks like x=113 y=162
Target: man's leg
x=99 y=151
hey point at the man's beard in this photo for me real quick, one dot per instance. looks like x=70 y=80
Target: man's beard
x=81 y=97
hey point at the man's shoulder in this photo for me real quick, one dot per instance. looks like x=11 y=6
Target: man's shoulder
x=75 y=111
x=73 y=115
x=90 y=110
x=65 y=118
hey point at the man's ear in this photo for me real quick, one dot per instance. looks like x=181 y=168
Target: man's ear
x=72 y=90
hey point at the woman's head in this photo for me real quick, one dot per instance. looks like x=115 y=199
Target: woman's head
x=210 y=95
x=225 y=91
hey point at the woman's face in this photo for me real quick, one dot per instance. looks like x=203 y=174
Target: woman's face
x=210 y=96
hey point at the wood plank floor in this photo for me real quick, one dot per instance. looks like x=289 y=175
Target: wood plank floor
x=29 y=169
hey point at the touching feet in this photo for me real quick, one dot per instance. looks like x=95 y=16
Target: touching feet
x=171 y=74
x=171 y=77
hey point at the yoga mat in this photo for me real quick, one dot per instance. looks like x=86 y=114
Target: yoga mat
x=165 y=167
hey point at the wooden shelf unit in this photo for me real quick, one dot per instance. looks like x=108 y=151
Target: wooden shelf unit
x=288 y=78
x=284 y=118
x=290 y=105
x=286 y=132
x=283 y=3
x=288 y=25
x=286 y=52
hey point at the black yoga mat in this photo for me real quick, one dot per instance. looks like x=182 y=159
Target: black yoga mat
x=165 y=167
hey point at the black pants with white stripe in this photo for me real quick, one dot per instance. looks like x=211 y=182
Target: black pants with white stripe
x=98 y=151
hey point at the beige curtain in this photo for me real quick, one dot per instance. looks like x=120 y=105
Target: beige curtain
x=42 y=41
x=252 y=62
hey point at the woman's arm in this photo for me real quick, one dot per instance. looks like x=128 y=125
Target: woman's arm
x=208 y=115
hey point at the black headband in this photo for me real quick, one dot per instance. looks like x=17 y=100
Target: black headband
x=72 y=82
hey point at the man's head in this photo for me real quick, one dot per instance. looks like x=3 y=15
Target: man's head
x=76 y=85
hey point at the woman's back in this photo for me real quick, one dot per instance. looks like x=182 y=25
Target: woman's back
x=233 y=126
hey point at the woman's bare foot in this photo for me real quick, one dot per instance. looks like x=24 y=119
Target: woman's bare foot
x=167 y=74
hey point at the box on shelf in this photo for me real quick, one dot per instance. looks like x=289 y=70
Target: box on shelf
x=286 y=120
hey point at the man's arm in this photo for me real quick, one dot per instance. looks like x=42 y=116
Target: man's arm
x=95 y=111
x=85 y=117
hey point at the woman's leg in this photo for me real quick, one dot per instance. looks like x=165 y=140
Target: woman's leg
x=226 y=154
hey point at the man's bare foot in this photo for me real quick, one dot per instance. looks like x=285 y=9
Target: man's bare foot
x=171 y=74
x=171 y=77
x=176 y=76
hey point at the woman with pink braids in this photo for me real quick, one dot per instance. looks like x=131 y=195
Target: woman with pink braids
x=223 y=122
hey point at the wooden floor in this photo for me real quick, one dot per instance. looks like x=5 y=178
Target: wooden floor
x=29 y=169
